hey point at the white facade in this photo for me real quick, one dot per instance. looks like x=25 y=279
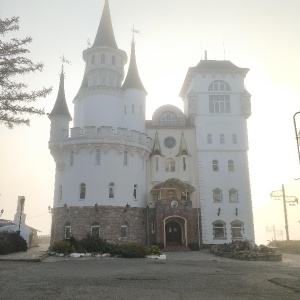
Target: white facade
x=113 y=158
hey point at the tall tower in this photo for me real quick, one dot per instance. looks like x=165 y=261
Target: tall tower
x=216 y=100
x=100 y=182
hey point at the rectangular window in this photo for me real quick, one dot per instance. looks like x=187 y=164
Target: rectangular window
x=125 y=110
x=98 y=157
x=67 y=231
x=184 y=163
x=219 y=231
x=135 y=191
x=222 y=138
x=219 y=104
x=237 y=230
x=209 y=138
x=125 y=162
x=153 y=227
x=95 y=231
x=234 y=138
x=156 y=164
x=123 y=231
x=71 y=158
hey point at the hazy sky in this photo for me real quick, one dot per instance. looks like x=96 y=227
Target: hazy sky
x=261 y=35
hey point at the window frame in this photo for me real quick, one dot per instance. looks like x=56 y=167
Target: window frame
x=234 y=192
x=215 y=165
x=111 y=190
x=68 y=231
x=124 y=228
x=230 y=165
x=82 y=192
x=234 y=228
x=219 y=226
x=95 y=225
x=217 y=195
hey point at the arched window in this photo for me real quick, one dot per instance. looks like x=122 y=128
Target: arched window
x=237 y=229
x=184 y=163
x=93 y=59
x=124 y=231
x=170 y=165
x=233 y=195
x=113 y=60
x=215 y=165
x=219 y=229
x=156 y=164
x=102 y=58
x=111 y=190
x=60 y=193
x=219 y=86
x=169 y=119
x=82 y=191
x=125 y=159
x=230 y=165
x=95 y=229
x=217 y=195
x=98 y=156
x=68 y=231
x=135 y=186
x=72 y=158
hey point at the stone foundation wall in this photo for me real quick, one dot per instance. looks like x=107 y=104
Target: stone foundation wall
x=110 y=219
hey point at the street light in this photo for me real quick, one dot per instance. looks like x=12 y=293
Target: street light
x=22 y=200
x=293 y=201
x=297 y=135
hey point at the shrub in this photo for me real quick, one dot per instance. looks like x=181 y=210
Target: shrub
x=132 y=250
x=63 y=246
x=155 y=250
x=11 y=242
x=94 y=244
x=287 y=246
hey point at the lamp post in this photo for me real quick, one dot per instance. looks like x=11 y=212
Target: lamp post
x=277 y=195
x=22 y=200
x=297 y=135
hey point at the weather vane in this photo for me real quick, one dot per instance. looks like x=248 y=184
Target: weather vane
x=64 y=60
x=133 y=30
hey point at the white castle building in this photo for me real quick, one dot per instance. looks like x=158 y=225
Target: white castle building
x=180 y=178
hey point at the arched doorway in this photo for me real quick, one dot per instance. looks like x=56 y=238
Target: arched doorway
x=174 y=231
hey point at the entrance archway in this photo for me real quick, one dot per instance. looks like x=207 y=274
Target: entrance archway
x=175 y=231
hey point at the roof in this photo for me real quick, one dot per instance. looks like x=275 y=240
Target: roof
x=211 y=66
x=133 y=80
x=60 y=107
x=105 y=34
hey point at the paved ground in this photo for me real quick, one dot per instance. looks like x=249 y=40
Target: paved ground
x=183 y=275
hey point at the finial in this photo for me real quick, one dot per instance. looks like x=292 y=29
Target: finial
x=64 y=60
x=133 y=30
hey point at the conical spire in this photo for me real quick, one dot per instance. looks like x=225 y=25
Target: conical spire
x=60 y=107
x=133 y=80
x=105 y=34
x=182 y=147
x=156 y=145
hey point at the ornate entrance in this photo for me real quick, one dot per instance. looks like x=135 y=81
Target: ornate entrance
x=173 y=233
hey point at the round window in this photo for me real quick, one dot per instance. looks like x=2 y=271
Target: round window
x=169 y=142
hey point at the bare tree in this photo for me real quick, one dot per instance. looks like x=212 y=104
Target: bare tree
x=15 y=100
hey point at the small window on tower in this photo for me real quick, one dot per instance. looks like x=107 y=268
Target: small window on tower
x=60 y=193
x=82 y=191
x=209 y=138
x=72 y=158
x=102 y=58
x=156 y=164
x=184 y=163
x=98 y=157
x=222 y=138
x=113 y=60
x=93 y=59
x=111 y=191
x=125 y=162
x=135 y=191
x=234 y=138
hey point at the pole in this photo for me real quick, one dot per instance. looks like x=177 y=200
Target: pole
x=296 y=134
x=285 y=214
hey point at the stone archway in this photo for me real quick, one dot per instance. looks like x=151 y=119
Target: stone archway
x=175 y=231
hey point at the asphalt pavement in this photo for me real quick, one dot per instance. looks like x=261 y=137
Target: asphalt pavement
x=182 y=275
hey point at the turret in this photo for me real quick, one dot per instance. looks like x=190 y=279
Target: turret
x=60 y=116
x=134 y=96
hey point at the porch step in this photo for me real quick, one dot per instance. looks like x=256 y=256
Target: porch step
x=178 y=248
